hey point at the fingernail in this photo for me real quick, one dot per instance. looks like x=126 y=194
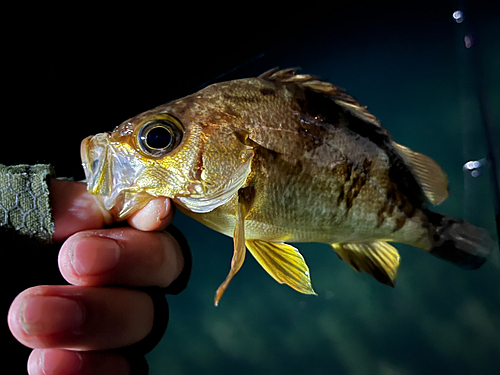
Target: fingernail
x=156 y=209
x=165 y=208
x=56 y=362
x=150 y=216
x=45 y=315
x=93 y=255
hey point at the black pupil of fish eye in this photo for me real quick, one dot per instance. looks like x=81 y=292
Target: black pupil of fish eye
x=159 y=138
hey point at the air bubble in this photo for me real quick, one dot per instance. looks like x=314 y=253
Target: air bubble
x=458 y=16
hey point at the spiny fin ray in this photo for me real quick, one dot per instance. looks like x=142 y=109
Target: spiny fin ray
x=314 y=83
x=245 y=200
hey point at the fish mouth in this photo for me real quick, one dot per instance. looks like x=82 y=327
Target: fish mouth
x=94 y=154
x=112 y=173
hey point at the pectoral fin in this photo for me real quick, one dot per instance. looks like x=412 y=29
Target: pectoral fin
x=428 y=174
x=284 y=263
x=245 y=200
x=377 y=258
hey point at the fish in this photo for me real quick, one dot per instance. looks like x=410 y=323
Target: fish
x=277 y=159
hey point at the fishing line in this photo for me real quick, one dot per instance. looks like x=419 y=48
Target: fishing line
x=473 y=95
x=491 y=152
x=216 y=78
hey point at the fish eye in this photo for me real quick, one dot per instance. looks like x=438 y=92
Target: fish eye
x=160 y=136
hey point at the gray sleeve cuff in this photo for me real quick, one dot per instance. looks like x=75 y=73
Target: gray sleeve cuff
x=24 y=200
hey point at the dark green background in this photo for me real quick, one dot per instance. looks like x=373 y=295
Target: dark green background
x=414 y=74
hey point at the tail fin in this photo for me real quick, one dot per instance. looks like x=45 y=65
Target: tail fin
x=458 y=241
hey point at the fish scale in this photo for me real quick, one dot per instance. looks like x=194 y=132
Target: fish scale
x=284 y=157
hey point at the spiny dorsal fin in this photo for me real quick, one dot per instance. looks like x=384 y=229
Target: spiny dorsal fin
x=377 y=258
x=430 y=177
x=314 y=83
x=427 y=172
x=284 y=75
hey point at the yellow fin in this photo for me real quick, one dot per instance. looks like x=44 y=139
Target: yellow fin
x=427 y=172
x=377 y=258
x=245 y=200
x=284 y=263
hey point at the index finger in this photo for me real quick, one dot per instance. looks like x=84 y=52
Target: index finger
x=74 y=210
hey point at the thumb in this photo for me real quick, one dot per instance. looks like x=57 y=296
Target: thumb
x=74 y=210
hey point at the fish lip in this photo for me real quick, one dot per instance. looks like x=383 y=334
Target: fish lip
x=112 y=174
x=84 y=147
x=94 y=154
x=99 y=166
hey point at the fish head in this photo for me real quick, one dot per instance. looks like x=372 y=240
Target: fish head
x=186 y=150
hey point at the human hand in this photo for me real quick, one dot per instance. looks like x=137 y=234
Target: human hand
x=77 y=328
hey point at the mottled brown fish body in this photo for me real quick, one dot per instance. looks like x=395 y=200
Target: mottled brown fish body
x=346 y=195
x=328 y=184
x=283 y=157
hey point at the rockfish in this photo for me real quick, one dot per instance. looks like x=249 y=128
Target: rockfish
x=283 y=157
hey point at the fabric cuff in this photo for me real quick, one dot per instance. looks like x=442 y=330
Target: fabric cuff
x=24 y=200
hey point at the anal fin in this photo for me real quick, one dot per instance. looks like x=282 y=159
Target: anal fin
x=377 y=258
x=284 y=263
